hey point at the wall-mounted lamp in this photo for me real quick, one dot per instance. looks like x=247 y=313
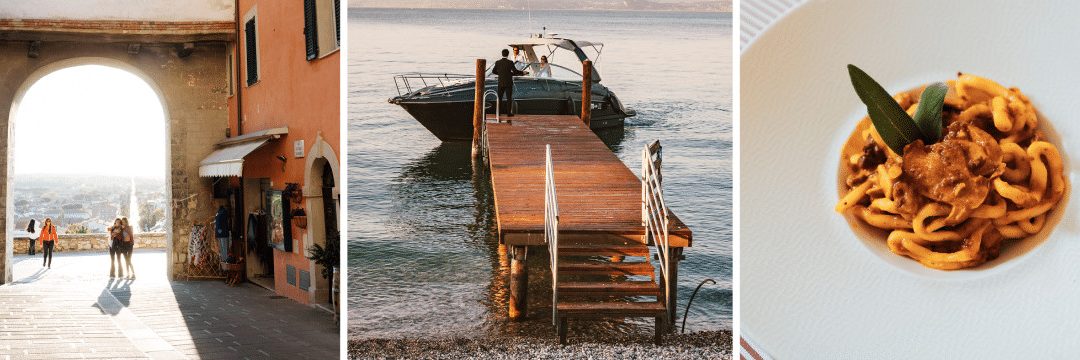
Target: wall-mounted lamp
x=33 y=50
x=283 y=160
x=185 y=50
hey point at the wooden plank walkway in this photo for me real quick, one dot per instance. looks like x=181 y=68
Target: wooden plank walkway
x=597 y=193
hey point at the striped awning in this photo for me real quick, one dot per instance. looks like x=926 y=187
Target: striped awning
x=229 y=160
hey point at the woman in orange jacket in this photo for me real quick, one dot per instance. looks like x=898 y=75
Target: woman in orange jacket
x=48 y=241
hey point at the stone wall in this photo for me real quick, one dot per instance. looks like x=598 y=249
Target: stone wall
x=92 y=242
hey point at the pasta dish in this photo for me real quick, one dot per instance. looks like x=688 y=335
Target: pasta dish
x=950 y=205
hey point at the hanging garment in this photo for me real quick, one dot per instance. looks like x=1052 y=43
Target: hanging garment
x=197 y=245
x=262 y=240
x=252 y=232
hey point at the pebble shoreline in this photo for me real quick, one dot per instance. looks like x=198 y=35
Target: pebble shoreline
x=697 y=345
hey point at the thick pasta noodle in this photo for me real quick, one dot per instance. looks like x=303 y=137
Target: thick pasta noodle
x=950 y=205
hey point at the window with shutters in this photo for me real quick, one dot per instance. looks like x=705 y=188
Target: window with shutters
x=251 y=48
x=311 y=32
x=322 y=31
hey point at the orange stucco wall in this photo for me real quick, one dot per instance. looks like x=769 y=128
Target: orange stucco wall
x=294 y=92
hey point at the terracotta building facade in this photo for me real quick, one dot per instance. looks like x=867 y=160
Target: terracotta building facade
x=278 y=173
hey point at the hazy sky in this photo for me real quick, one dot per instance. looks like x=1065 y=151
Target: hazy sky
x=90 y=120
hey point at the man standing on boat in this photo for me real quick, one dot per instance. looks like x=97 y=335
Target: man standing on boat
x=506 y=71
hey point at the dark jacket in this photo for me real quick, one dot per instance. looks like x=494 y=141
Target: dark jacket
x=221 y=222
x=506 y=71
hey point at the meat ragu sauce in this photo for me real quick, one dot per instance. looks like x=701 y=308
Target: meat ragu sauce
x=936 y=188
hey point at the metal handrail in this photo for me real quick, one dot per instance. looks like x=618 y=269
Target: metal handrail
x=654 y=211
x=496 y=94
x=551 y=232
x=442 y=79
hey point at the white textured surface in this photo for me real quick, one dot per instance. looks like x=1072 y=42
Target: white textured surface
x=161 y=10
x=757 y=15
x=808 y=285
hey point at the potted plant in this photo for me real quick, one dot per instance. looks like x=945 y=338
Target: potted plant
x=329 y=257
x=299 y=217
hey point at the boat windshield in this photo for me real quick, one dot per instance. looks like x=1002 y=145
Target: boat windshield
x=562 y=54
x=555 y=71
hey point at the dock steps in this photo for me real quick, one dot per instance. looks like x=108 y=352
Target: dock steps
x=603 y=250
x=625 y=288
x=611 y=309
x=594 y=282
x=606 y=268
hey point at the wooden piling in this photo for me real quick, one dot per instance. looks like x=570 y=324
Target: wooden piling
x=478 y=108
x=519 y=283
x=586 y=92
x=673 y=286
x=504 y=259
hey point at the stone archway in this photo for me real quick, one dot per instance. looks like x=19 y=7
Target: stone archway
x=193 y=93
x=320 y=159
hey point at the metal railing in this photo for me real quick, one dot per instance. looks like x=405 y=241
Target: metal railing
x=654 y=212
x=496 y=95
x=551 y=232
x=423 y=80
x=483 y=124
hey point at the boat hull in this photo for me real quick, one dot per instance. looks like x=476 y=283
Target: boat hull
x=452 y=121
x=447 y=112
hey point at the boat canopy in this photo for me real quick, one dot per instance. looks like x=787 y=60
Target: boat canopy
x=553 y=43
x=562 y=43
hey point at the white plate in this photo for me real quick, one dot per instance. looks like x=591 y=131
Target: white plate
x=809 y=285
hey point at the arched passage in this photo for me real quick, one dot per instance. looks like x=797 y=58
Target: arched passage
x=193 y=91
x=78 y=127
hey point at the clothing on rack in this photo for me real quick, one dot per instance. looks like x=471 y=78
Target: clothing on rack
x=259 y=238
x=197 y=245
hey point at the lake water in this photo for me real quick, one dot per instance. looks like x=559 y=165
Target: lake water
x=423 y=258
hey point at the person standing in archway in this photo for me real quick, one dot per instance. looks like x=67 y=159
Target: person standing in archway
x=48 y=241
x=128 y=246
x=116 y=247
x=31 y=228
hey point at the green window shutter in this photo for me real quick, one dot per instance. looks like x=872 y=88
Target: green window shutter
x=249 y=47
x=337 y=20
x=311 y=30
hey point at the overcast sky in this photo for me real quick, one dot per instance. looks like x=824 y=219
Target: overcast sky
x=90 y=120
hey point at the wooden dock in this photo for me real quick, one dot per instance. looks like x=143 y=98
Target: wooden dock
x=595 y=228
x=598 y=194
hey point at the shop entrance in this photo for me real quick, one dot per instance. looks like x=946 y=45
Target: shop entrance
x=260 y=256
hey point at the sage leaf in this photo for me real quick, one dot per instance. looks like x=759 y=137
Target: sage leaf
x=928 y=114
x=894 y=125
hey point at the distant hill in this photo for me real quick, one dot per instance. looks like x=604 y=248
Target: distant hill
x=653 y=5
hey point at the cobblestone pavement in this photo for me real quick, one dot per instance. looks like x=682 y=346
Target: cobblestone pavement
x=75 y=310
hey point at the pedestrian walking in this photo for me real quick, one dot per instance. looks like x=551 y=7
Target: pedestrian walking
x=48 y=242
